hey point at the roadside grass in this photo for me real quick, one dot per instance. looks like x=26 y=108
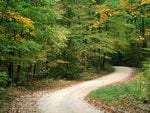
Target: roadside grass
x=117 y=94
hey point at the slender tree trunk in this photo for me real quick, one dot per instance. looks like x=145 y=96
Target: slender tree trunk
x=103 y=63
x=143 y=33
x=10 y=72
x=85 y=62
x=99 y=61
x=10 y=68
x=18 y=67
x=46 y=67
x=31 y=68
x=67 y=65
x=34 y=71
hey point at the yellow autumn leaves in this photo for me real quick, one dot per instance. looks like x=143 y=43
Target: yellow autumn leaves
x=145 y=2
x=105 y=13
x=124 y=3
x=139 y=39
x=27 y=22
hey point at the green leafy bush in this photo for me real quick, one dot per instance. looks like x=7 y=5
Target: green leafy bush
x=3 y=79
x=23 y=80
x=3 y=99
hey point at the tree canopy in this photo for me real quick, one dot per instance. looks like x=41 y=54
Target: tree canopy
x=62 y=38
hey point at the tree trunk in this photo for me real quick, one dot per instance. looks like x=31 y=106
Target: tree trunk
x=34 y=71
x=10 y=72
x=99 y=61
x=10 y=69
x=104 y=59
x=18 y=67
x=46 y=67
x=143 y=33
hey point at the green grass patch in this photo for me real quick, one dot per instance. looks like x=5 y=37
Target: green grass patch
x=115 y=94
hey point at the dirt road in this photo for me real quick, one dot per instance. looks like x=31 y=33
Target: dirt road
x=71 y=99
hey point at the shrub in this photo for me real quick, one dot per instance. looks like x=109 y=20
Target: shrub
x=3 y=79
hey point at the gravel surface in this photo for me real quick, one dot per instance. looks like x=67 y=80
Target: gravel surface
x=71 y=99
x=26 y=103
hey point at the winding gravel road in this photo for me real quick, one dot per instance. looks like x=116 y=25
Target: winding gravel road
x=71 y=99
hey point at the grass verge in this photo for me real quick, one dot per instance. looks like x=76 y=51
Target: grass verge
x=127 y=95
x=115 y=94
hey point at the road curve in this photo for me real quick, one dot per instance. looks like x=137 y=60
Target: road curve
x=71 y=99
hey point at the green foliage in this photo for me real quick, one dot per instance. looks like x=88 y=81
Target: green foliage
x=64 y=38
x=3 y=79
x=2 y=98
x=61 y=39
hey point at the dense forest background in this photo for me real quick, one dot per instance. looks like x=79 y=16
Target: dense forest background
x=63 y=38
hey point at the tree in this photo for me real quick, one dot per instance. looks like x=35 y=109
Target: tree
x=28 y=36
